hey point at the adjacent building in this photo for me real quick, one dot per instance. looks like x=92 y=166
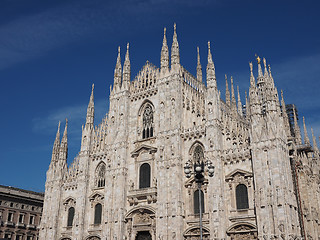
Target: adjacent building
x=20 y=213
x=128 y=180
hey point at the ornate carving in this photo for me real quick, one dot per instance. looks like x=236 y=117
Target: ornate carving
x=142 y=218
x=69 y=202
x=93 y=238
x=194 y=234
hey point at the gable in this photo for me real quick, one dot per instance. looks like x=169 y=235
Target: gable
x=238 y=172
x=143 y=149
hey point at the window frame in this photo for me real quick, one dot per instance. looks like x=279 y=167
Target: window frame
x=97 y=221
x=143 y=185
x=196 y=209
x=69 y=218
x=242 y=197
x=98 y=178
x=147 y=122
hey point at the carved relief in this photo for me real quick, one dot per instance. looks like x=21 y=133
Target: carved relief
x=194 y=234
x=69 y=202
x=96 y=198
x=243 y=231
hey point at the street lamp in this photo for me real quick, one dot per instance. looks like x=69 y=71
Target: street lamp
x=199 y=168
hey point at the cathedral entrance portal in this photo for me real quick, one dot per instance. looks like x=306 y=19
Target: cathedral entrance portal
x=144 y=235
x=141 y=224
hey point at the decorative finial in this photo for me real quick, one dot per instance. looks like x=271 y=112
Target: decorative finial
x=269 y=70
x=209 y=45
x=265 y=63
x=92 y=88
x=251 y=67
x=127 y=46
x=118 y=49
x=164 y=31
x=258 y=58
x=174 y=27
x=198 y=50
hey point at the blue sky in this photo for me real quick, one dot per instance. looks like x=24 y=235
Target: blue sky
x=52 y=51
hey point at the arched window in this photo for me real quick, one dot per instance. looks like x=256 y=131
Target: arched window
x=196 y=202
x=242 y=197
x=100 y=175
x=97 y=213
x=147 y=122
x=198 y=155
x=70 y=216
x=144 y=177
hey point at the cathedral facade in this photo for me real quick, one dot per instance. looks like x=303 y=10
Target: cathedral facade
x=128 y=180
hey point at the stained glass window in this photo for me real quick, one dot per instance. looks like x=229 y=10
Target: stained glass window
x=147 y=122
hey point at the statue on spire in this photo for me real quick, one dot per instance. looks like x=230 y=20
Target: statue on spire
x=175 y=55
x=126 y=69
x=211 y=74
x=56 y=145
x=117 y=72
x=199 y=68
x=164 y=60
x=90 y=111
x=227 y=91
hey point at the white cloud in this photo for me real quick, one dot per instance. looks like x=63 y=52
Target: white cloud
x=76 y=116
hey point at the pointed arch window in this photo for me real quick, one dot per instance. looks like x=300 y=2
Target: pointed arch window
x=198 y=155
x=147 y=122
x=242 y=197
x=71 y=211
x=100 y=175
x=97 y=213
x=144 y=176
x=196 y=202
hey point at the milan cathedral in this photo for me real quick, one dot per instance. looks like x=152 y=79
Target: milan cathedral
x=128 y=181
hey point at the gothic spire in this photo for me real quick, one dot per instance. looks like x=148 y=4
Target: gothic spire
x=64 y=139
x=211 y=74
x=266 y=75
x=296 y=128
x=227 y=91
x=306 y=138
x=56 y=144
x=270 y=76
x=314 y=142
x=126 y=69
x=199 y=68
x=239 y=102
x=255 y=107
x=175 y=55
x=233 y=98
x=90 y=110
x=247 y=106
x=259 y=67
x=64 y=144
x=117 y=72
x=252 y=80
x=285 y=116
x=164 y=60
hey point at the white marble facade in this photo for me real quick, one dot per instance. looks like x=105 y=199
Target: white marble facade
x=127 y=181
